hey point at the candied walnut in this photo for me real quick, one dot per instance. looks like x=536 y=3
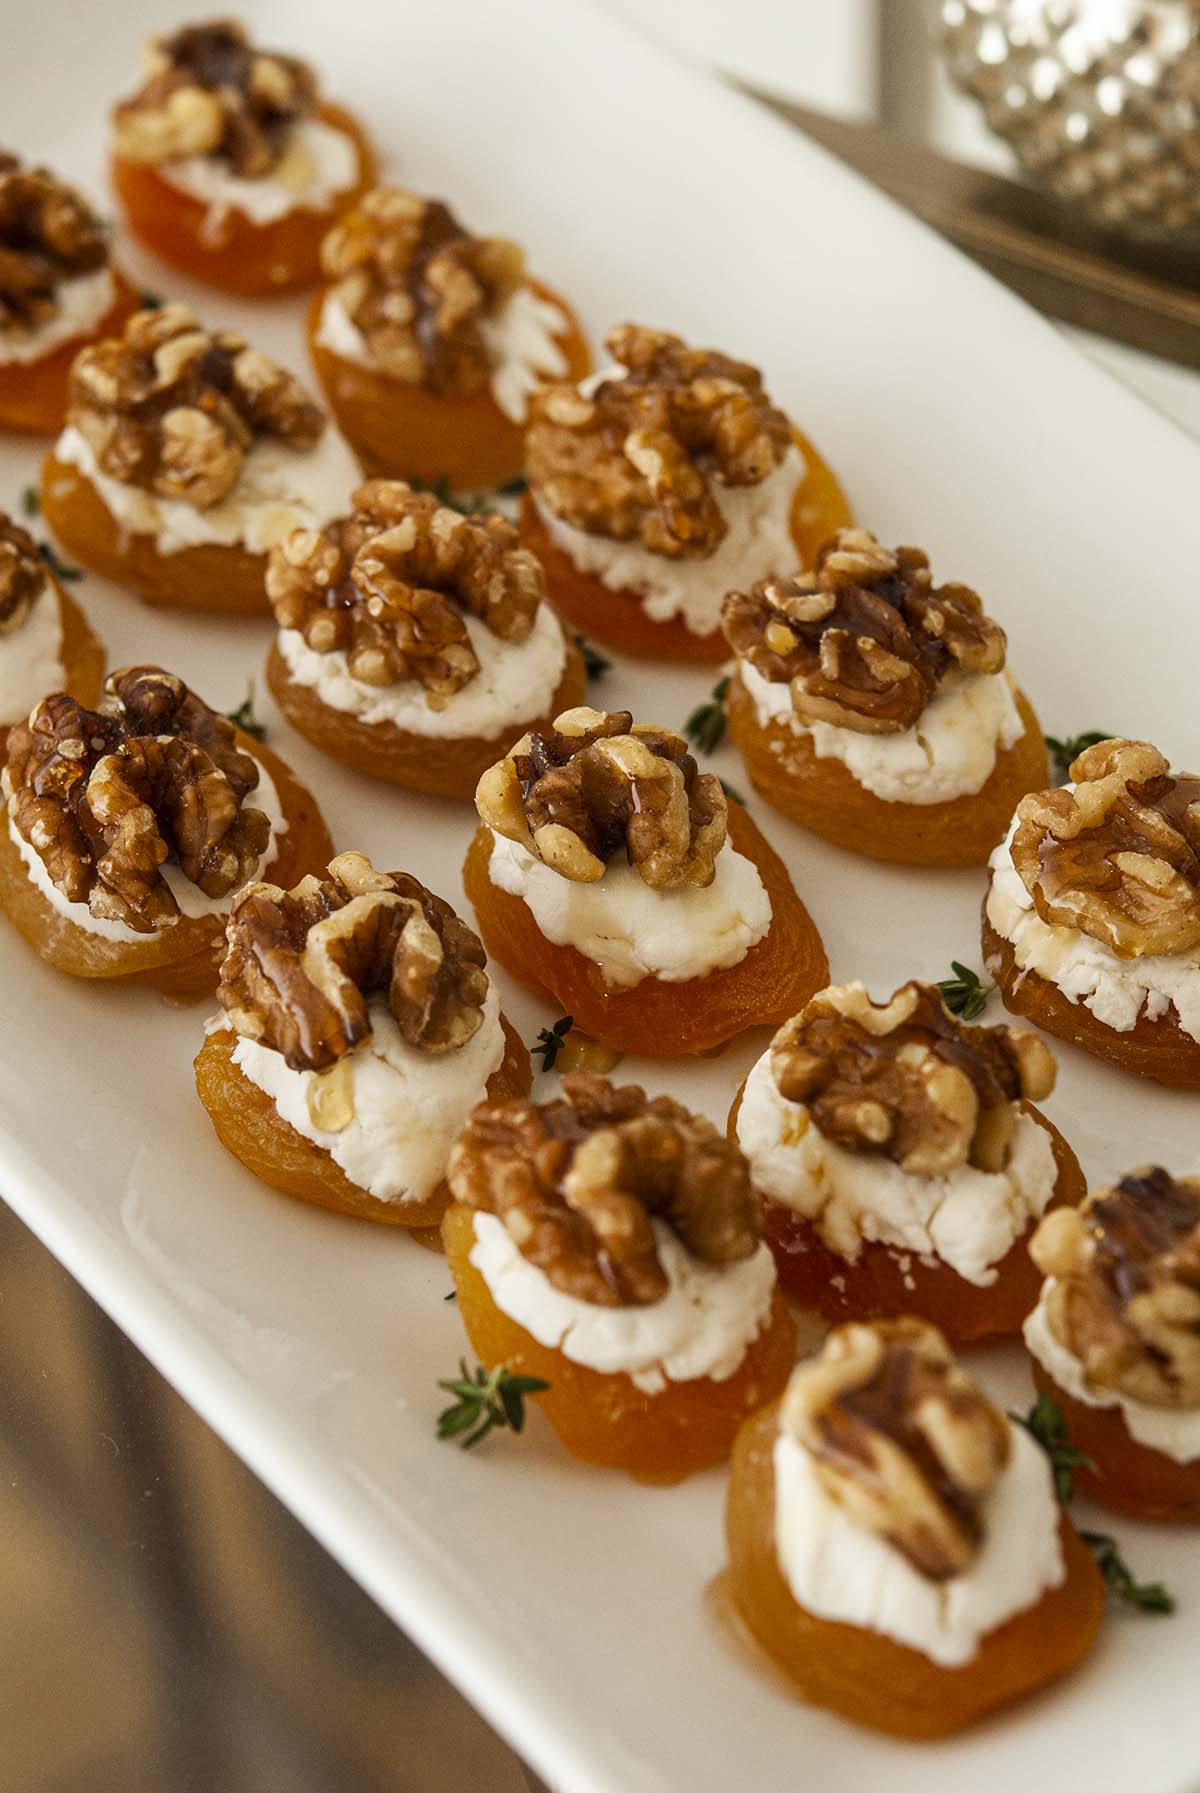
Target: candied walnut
x=209 y=92
x=302 y=964
x=392 y=584
x=22 y=574
x=906 y=1081
x=901 y=1438
x=48 y=233
x=637 y=459
x=1125 y=1299
x=1117 y=857
x=600 y=785
x=105 y=798
x=175 y=408
x=418 y=286
x=865 y=639
x=579 y=1182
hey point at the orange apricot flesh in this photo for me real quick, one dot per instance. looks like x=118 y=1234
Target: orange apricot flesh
x=603 y=1417
x=655 y=1018
x=618 y=617
x=401 y=430
x=33 y=394
x=181 y=961
x=1159 y=1050
x=440 y=765
x=81 y=652
x=1132 y=1477
x=824 y=795
x=884 y=1281
x=867 y=1676
x=238 y=255
x=248 y=1124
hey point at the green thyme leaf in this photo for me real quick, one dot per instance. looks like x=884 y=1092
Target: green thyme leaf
x=244 y=718
x=60 y=568
x=732 y=792
x=514 y=487
x=705 y=727
x=551 y=1040
x=31 y=503
x=1119 y=1579
x=1045 y=1423
x=483 y=1400
x=1063 y=752
x=150 y=301
x=965 y=994
x=594 y=663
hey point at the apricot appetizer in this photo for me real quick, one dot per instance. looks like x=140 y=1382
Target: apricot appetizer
x=1115 y=1340
x=428 y=342
x=662 y=482
x=187 y=455
x=59 y=290
x=414 y=642
x=901 y=1163
x=611 y=875
x=45 y=641
x=875 y=708
x=360 y=1028
x=608 y=1245
x=229 y=164
x=129 y=828
x=1091 y=924
x=895 y=1543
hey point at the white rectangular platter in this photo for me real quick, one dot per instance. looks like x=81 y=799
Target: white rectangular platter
x=568 y=1604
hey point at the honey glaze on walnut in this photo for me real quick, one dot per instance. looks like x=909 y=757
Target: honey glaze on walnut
x=105 y=799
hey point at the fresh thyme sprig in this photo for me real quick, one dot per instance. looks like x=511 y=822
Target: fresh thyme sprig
x=705 y=727
x=60 y=568
x=594 y=663
x=516 y=487
x=551 y=1040
x=732 y=792
x=485 y=1399
x=31 y=503
x=1063 y=752
x=965 y=994
x=150 y=301
x=1119 y=1579
x=244 y=718
x=1045 y=1423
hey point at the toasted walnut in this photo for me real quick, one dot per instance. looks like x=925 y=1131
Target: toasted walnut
x=636 y=460
x=601 y=785
x=1125 y=1299
x=391 y=586
x=904 y=1080
x=901 y=1438
x=209 y=92
x=175 y=408
x=22 y=574
x=1117 y=857
x=417 y=286
x=48 y=233
x=865 y=639
x=302 y=964
x=105 y=798
x=579 y=1182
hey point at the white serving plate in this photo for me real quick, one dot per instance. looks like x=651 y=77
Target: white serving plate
x=567 y=1603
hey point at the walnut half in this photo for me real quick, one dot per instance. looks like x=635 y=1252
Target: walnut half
x=22 y=574
x=417 y=286
x=1117 y=857
x=107 y=797
x=579 y=1182
x=391 y=584
x=302 y=964
x=905 y=1080
x=48 y=233
x=1125 y=1299
x=175 y=408
x=865 y=638
x=901 y=1438
x=600 y=785
x=637 y=458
